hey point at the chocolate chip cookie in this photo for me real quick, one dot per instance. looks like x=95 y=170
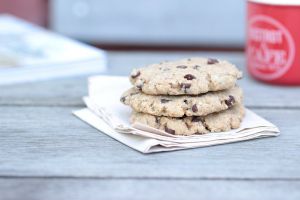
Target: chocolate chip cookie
x=179 y=106
x=191 y=76
x=216 y=122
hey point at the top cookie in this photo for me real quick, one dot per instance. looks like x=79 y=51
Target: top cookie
x=191 y=76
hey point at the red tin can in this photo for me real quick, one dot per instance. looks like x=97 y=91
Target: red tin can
x=273 y=41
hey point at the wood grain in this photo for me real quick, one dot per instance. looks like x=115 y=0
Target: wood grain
x=49 y=141
x=89 y=189
x=68 y=92
x=47 y=153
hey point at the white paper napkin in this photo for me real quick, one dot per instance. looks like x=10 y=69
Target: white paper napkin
x=106 y=113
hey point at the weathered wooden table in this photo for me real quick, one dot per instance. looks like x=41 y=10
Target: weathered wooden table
x=46 y=153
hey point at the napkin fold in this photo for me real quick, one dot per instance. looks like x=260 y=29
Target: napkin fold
x=106 y=113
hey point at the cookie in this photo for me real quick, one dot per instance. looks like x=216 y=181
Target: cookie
x=191 y=76
x=216 y=122
x=179 y=106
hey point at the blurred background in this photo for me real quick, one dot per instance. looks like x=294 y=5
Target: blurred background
x=140 y=25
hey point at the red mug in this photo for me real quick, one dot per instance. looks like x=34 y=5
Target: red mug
x=273 y=41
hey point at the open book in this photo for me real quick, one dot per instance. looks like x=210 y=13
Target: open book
x=29 y=53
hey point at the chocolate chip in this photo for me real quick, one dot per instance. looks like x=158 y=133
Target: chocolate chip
x=135 y=74
x=168 y=130
x=185 y=101
x=196 y=119
x=194 y=108
x=139 y=86
x=165 y=100
x=230 y=101
x=123 y=99
x=196 y=67
x=185 y=86
x=189 y=77
x=181 y=67
x=211 y=61
x=156 y=119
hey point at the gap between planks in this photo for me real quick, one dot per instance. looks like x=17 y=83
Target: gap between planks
x=149 y=178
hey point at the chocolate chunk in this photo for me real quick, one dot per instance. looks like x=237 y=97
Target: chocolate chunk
x=123 y=99
x=196 y=66
x=181 y=67
x=168 y=130
x=196 y=119
x=230 y=101
x=189 y=77
x=139 y=86
x=211 y=61
x=157 y=119
x=194 y=108
x=165 y=100
x=135 y=74
x=185 y=86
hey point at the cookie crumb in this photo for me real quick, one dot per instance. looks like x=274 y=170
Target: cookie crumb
x=212 y=61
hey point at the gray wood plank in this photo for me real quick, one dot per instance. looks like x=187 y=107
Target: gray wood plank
x=49 y=141
x=88 y=189
x=68 y=92
x=59 y=92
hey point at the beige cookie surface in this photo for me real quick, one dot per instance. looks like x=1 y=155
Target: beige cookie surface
x=188 y=76
x=216 y=122
x=179 y=106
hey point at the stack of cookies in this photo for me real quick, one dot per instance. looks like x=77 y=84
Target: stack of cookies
x=186 y=97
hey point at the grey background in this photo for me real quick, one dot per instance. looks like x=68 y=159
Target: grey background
x=155 y=22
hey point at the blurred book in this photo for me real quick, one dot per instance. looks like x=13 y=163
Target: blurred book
x=30 y=53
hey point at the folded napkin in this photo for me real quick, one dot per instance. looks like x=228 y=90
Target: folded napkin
x=106 y=113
